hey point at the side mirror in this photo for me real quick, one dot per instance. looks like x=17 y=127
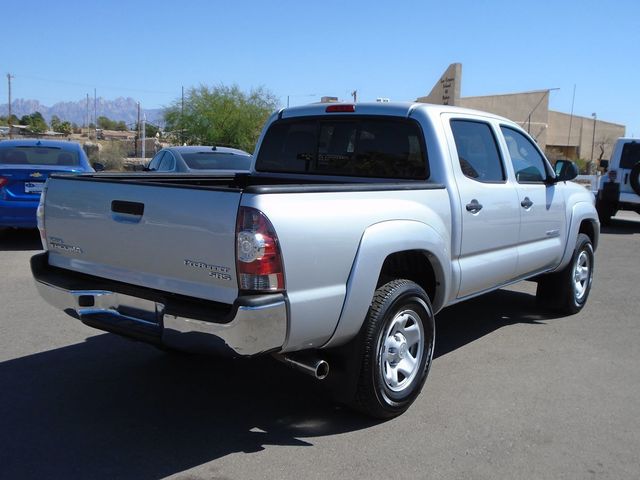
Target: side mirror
x=97 y=166
x=604 y=164
x=565 y=170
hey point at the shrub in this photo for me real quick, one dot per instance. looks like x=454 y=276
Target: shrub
x=112 y=156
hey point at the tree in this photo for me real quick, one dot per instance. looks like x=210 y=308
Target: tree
x=64 y=128
x=149 y=128
x=55 y=123
x=35 y=122
x=105 y=123
x=220 y=115
x=9 y=121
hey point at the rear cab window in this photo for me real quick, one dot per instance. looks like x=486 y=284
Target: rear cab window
x=357 y=146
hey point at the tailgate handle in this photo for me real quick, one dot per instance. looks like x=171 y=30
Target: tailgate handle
x=129 y=208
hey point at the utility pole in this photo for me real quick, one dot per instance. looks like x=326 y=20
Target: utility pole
x=9 y=77
x=182 y=118
x=137 y=132
x=573 y=101
x=593 y=141
x=144 y=137
x=95 y=112
x=354 y=94
x=87 y=117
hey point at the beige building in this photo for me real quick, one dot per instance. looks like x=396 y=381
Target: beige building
x=560 y=135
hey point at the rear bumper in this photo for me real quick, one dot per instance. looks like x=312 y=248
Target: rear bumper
x=18 y=214
x=251 y=326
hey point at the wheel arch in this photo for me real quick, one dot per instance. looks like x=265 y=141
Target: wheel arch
x=589 y=227
x=390 y=250
x=414 y=265
x=584 y=219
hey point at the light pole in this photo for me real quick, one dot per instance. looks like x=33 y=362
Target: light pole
x=593 y=139
x=300 y=95
x=9 y=77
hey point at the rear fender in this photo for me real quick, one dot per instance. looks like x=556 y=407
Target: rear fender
x=377 y=243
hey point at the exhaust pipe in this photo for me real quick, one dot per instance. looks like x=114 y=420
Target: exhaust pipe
x=316 y=367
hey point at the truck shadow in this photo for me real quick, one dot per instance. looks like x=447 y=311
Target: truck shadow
x=621 y=226
x=19 y=240
x=468 y=321
x=111 y=408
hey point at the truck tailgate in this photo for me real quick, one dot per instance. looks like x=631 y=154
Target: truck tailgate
x=178 y=239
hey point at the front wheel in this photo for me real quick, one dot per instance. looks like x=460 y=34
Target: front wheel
x=568 y=290
x=398 y=337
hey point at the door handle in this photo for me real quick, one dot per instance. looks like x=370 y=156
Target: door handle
x=526 y=203
x=474 y=206
x=129 y=208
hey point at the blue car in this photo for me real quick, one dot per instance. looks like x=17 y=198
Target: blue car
x=25 y=166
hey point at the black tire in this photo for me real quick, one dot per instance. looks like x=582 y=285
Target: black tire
x=634 y=178
x=605 y=211
x=395 y=365
x=568 y=290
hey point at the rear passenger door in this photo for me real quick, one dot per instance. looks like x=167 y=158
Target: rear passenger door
x=490 y=215
x=542 y=206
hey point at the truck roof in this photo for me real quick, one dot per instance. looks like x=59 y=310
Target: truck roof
x=400 y=109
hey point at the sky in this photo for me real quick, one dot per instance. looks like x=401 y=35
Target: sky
x=60 y=51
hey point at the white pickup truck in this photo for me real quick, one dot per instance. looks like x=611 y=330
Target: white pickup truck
x=355 y=226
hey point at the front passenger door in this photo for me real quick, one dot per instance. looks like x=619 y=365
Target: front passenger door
x=542 y=206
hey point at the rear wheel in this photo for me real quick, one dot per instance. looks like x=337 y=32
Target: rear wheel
x=398 y=338
x=567 y=291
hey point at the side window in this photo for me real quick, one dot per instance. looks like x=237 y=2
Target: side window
x=167 y=163
x=155 y=161
x=630 y=155
x=477 y=151
x=527 y=161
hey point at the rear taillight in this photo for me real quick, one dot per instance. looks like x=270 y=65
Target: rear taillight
x=40 y=218
x=258 y=257
x=3 y=181
x=612 y=175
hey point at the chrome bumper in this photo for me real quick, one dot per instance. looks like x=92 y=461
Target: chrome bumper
x=257 y=324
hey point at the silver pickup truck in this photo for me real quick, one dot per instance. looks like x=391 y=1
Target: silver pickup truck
x=355 y=226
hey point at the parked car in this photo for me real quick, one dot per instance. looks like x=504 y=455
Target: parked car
x=355 y=226
x=200 y=159
x=619 y=189
x=25 y=166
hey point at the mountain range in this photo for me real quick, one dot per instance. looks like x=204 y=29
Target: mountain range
x=125 y=109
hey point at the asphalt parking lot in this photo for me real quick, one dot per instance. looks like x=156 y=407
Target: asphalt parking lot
x=513 y=393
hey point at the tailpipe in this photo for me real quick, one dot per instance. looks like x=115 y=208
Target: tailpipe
x=316 y=367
